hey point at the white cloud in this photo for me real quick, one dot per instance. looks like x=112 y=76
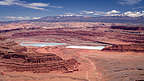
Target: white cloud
x=55 y=6
x=99 y=13
x=113 y=13
x=38 y=6
x=133 y=14
x=127 y=13
x=7 y=2
x=70 y=14
x=108 y=13
x=87 y=12
x=129 y=2
x=21 y=18
x=36 y=17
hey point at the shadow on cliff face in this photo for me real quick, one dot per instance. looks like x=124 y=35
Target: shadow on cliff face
x=125 y=48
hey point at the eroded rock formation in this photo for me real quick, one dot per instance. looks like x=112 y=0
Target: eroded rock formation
x=18 y=60
x=42 y=64
x=123 y=48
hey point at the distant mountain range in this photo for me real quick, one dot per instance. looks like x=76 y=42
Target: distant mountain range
x=109 y=19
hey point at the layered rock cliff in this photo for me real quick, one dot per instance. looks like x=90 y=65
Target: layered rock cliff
x=16 y=58
x=123 y=48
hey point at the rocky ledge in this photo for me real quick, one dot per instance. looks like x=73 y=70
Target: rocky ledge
x=20 y=60
x=124 y=48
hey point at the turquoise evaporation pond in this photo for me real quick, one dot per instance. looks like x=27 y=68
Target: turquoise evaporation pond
x=41 y=44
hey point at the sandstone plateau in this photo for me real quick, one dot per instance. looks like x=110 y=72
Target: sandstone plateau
x=120 y=60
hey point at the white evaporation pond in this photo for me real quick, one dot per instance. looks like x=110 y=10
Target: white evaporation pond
x=41 y=44
x=87 y=47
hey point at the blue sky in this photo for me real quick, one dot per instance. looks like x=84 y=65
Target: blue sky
x=34 y=9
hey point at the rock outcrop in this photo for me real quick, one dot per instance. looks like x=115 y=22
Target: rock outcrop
x=20 y=60
x=123 y=48
x=39 y=64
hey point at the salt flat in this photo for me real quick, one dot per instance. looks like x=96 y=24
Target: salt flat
x=87 y=47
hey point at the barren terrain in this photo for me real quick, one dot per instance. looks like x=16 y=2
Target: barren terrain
x=120 y=60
